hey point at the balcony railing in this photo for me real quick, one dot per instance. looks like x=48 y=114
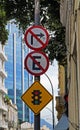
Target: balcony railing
x=2 y=53
x=3 y=124
x=3 y=89
x=3 y=56
x=12 y=124
x=3 y=107
x=3 y=73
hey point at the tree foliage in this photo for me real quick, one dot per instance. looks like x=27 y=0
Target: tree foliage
x=20 y=10
x=57 y=48
x=3 y=21
x=23 y=12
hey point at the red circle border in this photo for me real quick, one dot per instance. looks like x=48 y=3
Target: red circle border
x=28 y=44
x=26 y=67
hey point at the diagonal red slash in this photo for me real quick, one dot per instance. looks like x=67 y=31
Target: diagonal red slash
x=35 y=61
x=36 y=37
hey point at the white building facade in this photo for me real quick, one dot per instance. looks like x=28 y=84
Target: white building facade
x=8 y=111
x=3 y=90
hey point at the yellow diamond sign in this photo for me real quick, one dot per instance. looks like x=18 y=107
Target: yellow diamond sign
x=36 y=97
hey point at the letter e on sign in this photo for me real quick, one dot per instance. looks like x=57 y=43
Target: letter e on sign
x=36 y=63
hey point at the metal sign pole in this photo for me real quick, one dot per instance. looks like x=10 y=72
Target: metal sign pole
x=37 y=117
x=37 y=12
x=37 y=22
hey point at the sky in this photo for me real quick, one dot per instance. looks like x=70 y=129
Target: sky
x=49 y=81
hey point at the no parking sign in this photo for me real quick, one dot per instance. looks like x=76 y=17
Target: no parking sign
x=36 y=63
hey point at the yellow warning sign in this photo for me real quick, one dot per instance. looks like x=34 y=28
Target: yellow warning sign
x=36 y=97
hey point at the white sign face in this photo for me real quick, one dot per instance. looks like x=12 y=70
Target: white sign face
x=36 y=63
x=36 y=37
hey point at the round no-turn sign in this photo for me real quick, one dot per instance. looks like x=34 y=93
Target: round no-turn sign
x=36 y=37
x=36 y=63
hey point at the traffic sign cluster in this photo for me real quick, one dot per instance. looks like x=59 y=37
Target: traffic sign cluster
x=36 y=62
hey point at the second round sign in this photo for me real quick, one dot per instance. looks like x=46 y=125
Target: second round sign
x=36 y=63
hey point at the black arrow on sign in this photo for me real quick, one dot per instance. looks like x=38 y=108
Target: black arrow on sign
x=39 y=35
